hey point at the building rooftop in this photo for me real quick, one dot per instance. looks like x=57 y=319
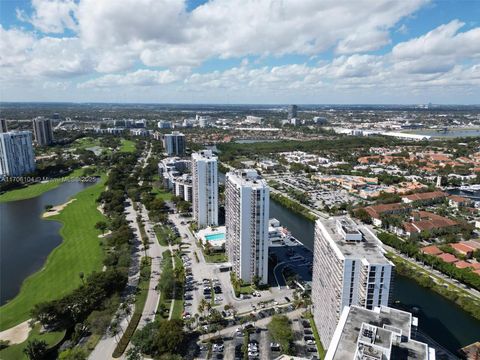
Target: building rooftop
x=204 y=155
x=426 y=196
x=364 y=243
x=448 y=258
x=431 y=250
x=247 y=177
x=382 y=333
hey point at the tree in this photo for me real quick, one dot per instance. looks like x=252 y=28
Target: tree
x=102 y=226
x=160 y=338
x=35 y=349
x=281 y=332
x=75 y=353
x=134 y=353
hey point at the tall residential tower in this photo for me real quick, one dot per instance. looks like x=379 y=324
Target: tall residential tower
x=42 y=129
x=16 y=153
x=205 y=188
x=349 y=268
x=246 y=221
x=174 y=143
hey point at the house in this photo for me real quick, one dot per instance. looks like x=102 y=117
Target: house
x=427 y=221
x=459 y=201
x=472 y=243
x=425 y=198
x=448 y=258
x=463 y=264
x=431 y=250
x=377 y=211
x=463 y=249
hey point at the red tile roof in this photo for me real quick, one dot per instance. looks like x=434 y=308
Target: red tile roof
x=472 y=243
x=462 y=248
x=459 y=199
x=431 y=250
x=463 y=264
x=448 y=258
x=377 y=210
x=426 y=196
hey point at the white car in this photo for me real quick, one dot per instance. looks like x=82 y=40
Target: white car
x=310 y=342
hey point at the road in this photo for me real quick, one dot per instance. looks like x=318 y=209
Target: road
x=154 y=251
x=107 y=344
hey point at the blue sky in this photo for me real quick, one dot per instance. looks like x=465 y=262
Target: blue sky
x=240 y=51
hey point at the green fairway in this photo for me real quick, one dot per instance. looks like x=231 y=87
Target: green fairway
x=15 y=352
x=86 y=142
x=34 y=190
x=79 y=252
x=127 y=146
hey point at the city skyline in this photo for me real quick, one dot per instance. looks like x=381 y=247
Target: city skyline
x=227 y=52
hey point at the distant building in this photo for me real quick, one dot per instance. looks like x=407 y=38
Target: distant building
x=163 y=124
x=16 y=153
x=205 y=188
x=292 y=111
x=382 y=333
x=425 y=198
x=349 y=268
x=253 y=119
x=174 y=143
x=42 y=129
x=3 y=125
x=246 y=221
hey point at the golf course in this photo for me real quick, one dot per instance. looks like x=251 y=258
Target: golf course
x=78 y=253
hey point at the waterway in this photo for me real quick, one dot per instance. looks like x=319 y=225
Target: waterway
x=26 y=239
x=448 y=134
x=439 y=318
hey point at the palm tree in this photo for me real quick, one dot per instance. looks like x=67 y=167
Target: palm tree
x=82 y=277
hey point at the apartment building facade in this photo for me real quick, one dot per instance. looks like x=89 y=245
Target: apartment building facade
x=205 y=188
x=349 y=268
x=42 y=130
x=246 y=220
x=16 y=153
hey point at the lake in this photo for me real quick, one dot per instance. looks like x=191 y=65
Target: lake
x=26 y=239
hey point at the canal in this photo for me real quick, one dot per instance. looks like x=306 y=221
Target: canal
x=26 y=239
x=439 y=318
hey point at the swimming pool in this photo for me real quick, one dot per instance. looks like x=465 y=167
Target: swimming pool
x=215 y=237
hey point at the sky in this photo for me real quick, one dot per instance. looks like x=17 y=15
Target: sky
x=241 y=51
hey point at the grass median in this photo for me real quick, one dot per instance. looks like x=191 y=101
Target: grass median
x=80 y=252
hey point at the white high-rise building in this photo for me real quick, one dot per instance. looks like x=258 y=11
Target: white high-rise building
x=349 y=268
x=42 y=129
x=246 y=221
x=174 y=143
x=16 y=153
x=205 y=188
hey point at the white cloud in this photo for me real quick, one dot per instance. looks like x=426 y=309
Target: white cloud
x=14 y=46
x=136 y=78
x=439 y=50
x=51 y=16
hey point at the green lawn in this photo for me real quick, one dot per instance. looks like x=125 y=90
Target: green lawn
x=163 y=233
x=86 y=142
x=215 y=257
x=160 y=193
x=80 y=251
x=177 y=311
x=321 y=351
x=34 y=190
x=127 y=146
x=15 y=352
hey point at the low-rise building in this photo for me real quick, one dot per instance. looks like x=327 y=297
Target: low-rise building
x=459 y=201
x=382 y=333
x=425 y=198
